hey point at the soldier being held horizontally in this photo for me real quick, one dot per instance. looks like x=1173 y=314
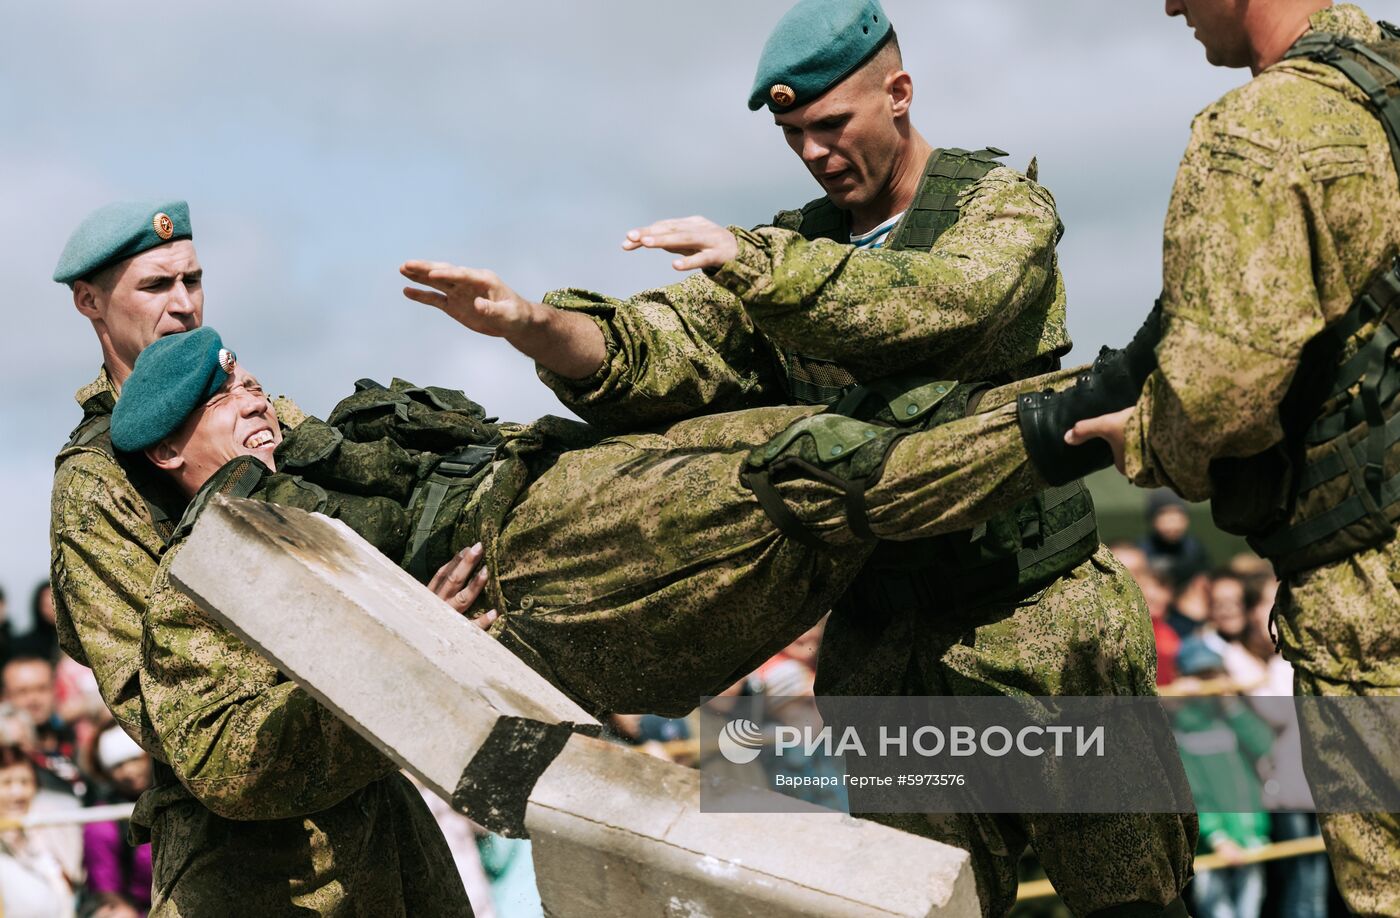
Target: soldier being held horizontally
x=919 y=260
x=638 y=571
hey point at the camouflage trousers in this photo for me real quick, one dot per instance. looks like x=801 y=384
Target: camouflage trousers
x=1088 y=633
x=376 y=854
x=642 y=573
x=1364 y=848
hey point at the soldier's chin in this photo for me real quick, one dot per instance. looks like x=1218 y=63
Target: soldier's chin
x=847 y=196
x=267 y=455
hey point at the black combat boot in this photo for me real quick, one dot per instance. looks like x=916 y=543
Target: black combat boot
x=1112 y=383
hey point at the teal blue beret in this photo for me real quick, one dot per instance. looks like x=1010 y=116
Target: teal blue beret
x=815 y=46
x=172 y=377
x=119 y=231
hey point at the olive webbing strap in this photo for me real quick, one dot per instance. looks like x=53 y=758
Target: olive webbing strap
x=1058 y=541
x=1332 y=426
x=934 y=211
x=1369 y=366
x=1061 y=540
x=1387 y=104
x=1357 y=369
x=777 y=510
x=1378 y=351
x=1342 y=54
x=464 y=463
x=808 y=392
x=1323 y=525
x=417 y=559
x=788 y=523
x=1062 y=494
x=99 y=427
x=1330 y=466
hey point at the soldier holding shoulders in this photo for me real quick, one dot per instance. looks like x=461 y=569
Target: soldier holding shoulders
x=135 y=275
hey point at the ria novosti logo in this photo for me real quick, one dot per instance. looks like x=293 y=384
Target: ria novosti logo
x=741 y=741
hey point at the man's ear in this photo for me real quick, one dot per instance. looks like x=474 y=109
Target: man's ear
x=164 y=456
x=86 y=298
x=900 y=87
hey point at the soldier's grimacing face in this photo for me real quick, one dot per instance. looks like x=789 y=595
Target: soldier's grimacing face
x=237 y=421
x=156 y=293
x=1220 y=28
x=848 y=139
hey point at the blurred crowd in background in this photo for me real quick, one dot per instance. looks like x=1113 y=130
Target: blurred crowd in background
x=60 y=751
x=1212 y=618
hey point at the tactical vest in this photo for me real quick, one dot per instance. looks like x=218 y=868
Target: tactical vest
x=1006 y=558
x=163 y=500
x=1340 y=457
x=450 y=436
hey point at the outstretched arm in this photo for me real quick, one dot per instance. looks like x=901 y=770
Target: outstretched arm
x=562 y=342
x=883 y=311
x=657 y=357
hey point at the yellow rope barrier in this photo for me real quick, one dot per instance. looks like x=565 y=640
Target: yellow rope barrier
x=1298 y=847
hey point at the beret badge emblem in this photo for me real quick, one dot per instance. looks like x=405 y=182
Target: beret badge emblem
x=227 y=359
x=782 y=95
x=164 y=226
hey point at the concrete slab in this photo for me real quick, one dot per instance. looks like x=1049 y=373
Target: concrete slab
x=371 y=643
x=616 y=833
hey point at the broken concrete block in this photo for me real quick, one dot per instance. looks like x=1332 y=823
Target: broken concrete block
x=371 y=643
x=616 y=833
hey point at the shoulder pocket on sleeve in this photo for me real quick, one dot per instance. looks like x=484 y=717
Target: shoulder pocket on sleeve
x=1234 y=152
x=1333 y=161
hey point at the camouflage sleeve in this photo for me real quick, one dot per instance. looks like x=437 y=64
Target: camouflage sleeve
x=673 y=352
x=878 y=310
x=104 y=555
x=1239 y=302
x=245 y=741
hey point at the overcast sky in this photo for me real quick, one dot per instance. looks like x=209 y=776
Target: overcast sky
x=320 y=144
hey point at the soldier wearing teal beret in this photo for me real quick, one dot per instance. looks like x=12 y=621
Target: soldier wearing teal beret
x=815 y=46
x=173 y=376
x=938 y=262
x=118 y=231
x=134 y=276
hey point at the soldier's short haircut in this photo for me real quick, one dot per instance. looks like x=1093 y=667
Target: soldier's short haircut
x=889 y=56
x=882 y=62
x=105 y=279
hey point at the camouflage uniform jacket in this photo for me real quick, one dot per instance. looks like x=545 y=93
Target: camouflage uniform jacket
x=1286 y=205
x=293 y=812
x=987 y=300
x=104 y=552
